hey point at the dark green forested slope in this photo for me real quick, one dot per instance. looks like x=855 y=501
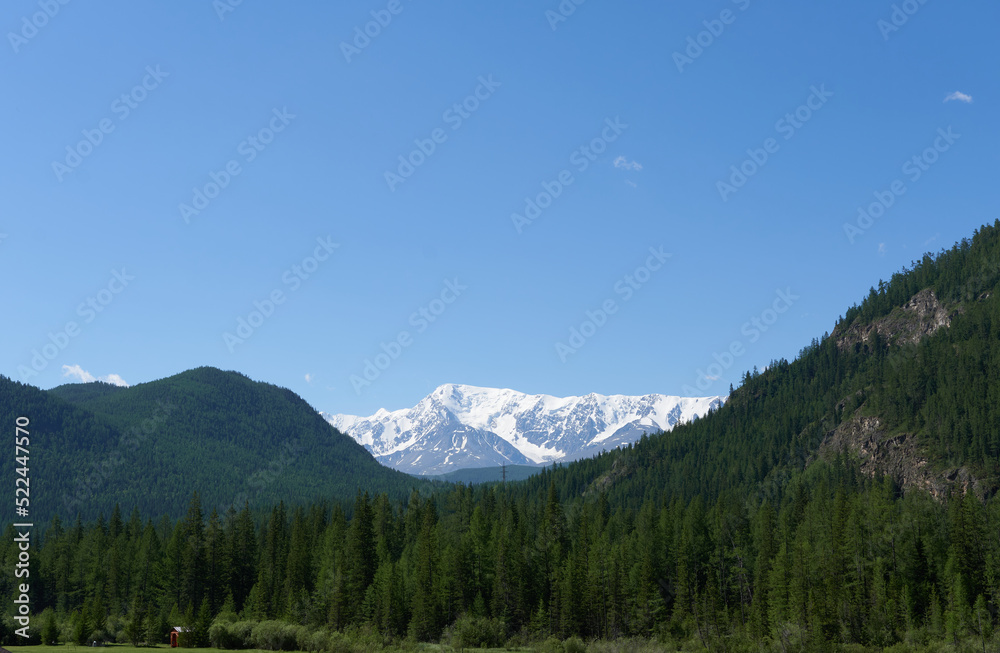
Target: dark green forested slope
x=747 y=530
x=151 y=445
x=945 y=390
x=81 y=392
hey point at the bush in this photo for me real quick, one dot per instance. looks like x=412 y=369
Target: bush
x=551 y=645
x=851 y=647
x=9 y=637
x=517 y=641
x=663 y=639
x=365 y=638
x=303 y=635
x=228 y=635
x=477 y=632
x=274 y=636
x=574 y=645
x=340 y=643
x=221 y=635
x=318 y=641
x=243 y=632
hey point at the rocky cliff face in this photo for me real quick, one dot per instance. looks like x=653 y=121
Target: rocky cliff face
x=921 y=316
x=897 y=456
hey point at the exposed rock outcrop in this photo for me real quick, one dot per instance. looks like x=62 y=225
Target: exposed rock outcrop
x=921 y=316
x=897 y=456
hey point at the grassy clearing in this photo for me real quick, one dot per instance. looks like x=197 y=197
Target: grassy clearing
x=114 y=648
x=124 y=648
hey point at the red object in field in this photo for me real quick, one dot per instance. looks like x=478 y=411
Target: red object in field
x=174 y=632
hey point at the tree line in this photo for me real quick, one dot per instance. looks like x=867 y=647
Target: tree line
x=838 y=557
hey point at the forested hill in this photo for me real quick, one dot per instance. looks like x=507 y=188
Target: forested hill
x=908 y=383
x=151 y=445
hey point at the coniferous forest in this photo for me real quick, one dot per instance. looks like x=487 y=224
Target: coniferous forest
x=763 y=526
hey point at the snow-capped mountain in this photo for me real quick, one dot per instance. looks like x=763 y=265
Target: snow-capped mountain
x=460 y=426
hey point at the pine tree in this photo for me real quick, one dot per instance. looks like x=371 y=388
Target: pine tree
x=359 y=557
x=298 y=575
x=133 y=629
x=509 y=570
x=50 y=631
x=192 y=556
x=242 y=548
x=99 y=617
x=201 y=625
x=425 y=610
x=81 y=628
x=389 y=601
x=217 y=563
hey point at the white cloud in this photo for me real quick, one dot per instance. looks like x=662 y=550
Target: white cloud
x=960 y=96
x=114 y=379
x=881 y=249
x=83 y=376
x=309 y=378
x=630 y=183
x=622 y=162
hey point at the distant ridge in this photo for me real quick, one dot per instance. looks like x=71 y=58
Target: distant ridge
x=463 y=426
x=150 y=446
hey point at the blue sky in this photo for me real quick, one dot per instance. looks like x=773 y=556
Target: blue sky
x=646 y=112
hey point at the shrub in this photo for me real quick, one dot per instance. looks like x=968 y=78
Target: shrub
x=302 y=636
x=364 y=638
x=574 y=645
x=9 y=637
x=517 y=641
x=476 y=632
x=221 y=635
x=274 y=636
x=227 y=635
x=340 y=643
x=551 y=645
x=318 y=641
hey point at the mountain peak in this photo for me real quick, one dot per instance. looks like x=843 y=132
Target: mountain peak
x=463 y=425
